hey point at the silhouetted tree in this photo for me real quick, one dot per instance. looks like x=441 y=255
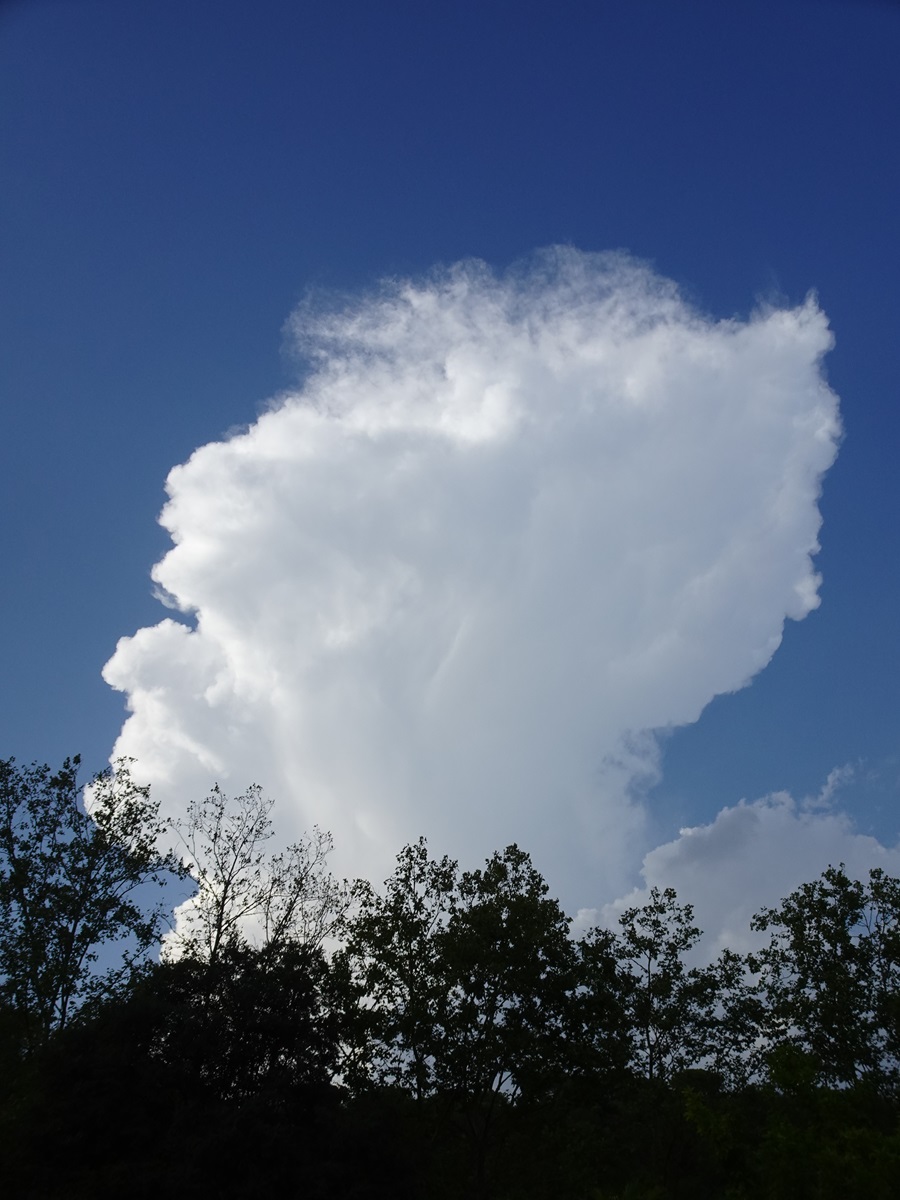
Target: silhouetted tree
x=600 y=1003
x=71 y=883
x=246 y=895
x=830 y=976
x=509 y=966
x=669 y=1006
x=509 y=969
x=393 y=973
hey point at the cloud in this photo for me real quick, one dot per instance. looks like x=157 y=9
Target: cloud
x=751 y=856
x=507 y=527
x=838 y=777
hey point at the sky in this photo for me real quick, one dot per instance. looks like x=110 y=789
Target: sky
x=463 y=419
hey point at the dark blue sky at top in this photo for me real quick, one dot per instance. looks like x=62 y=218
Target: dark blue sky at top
x=174 y=177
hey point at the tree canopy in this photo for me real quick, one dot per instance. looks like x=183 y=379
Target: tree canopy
x=73 y=880
x=444 y=1035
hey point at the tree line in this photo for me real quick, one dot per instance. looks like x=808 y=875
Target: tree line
x=444 y=1035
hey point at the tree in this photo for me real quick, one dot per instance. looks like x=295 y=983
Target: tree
x=460 y=987
x=669 y=1007
x=246 y=895
x=830 y=976
x=603 y=1044
x=735 y=1030
x=198 y=1077
x=394 y=983
x=72 y=881
x=251 y=1024
x=509 y=967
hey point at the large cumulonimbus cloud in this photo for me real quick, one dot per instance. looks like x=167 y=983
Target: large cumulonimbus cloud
x=507 y=527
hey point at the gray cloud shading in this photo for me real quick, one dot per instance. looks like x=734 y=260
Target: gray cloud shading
x=752 y=855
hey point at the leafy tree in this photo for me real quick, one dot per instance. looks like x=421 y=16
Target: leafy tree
x=250 y=1024
x=461 y=989
x=882 y=920
x=393 y=973
x=600 y=1002
x=734 y=1021
x=830 y=976
x=72 y=882
x=201 y=1078
x=245 y=894
x=669 y=1007
x=509 y=966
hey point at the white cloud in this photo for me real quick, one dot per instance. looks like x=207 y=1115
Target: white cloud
x=508 y=525
x=838 y=777
x=751 y=856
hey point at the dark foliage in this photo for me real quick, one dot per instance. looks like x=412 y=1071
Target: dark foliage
x=459 y=1043
x=71 y=883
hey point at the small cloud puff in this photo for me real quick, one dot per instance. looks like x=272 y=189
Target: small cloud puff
x=751 y=856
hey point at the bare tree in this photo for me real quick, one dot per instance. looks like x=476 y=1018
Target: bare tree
x=245 y=895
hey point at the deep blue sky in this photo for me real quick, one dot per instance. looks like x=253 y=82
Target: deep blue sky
x=175 y=176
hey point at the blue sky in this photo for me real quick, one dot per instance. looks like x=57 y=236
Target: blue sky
x=177 y=179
